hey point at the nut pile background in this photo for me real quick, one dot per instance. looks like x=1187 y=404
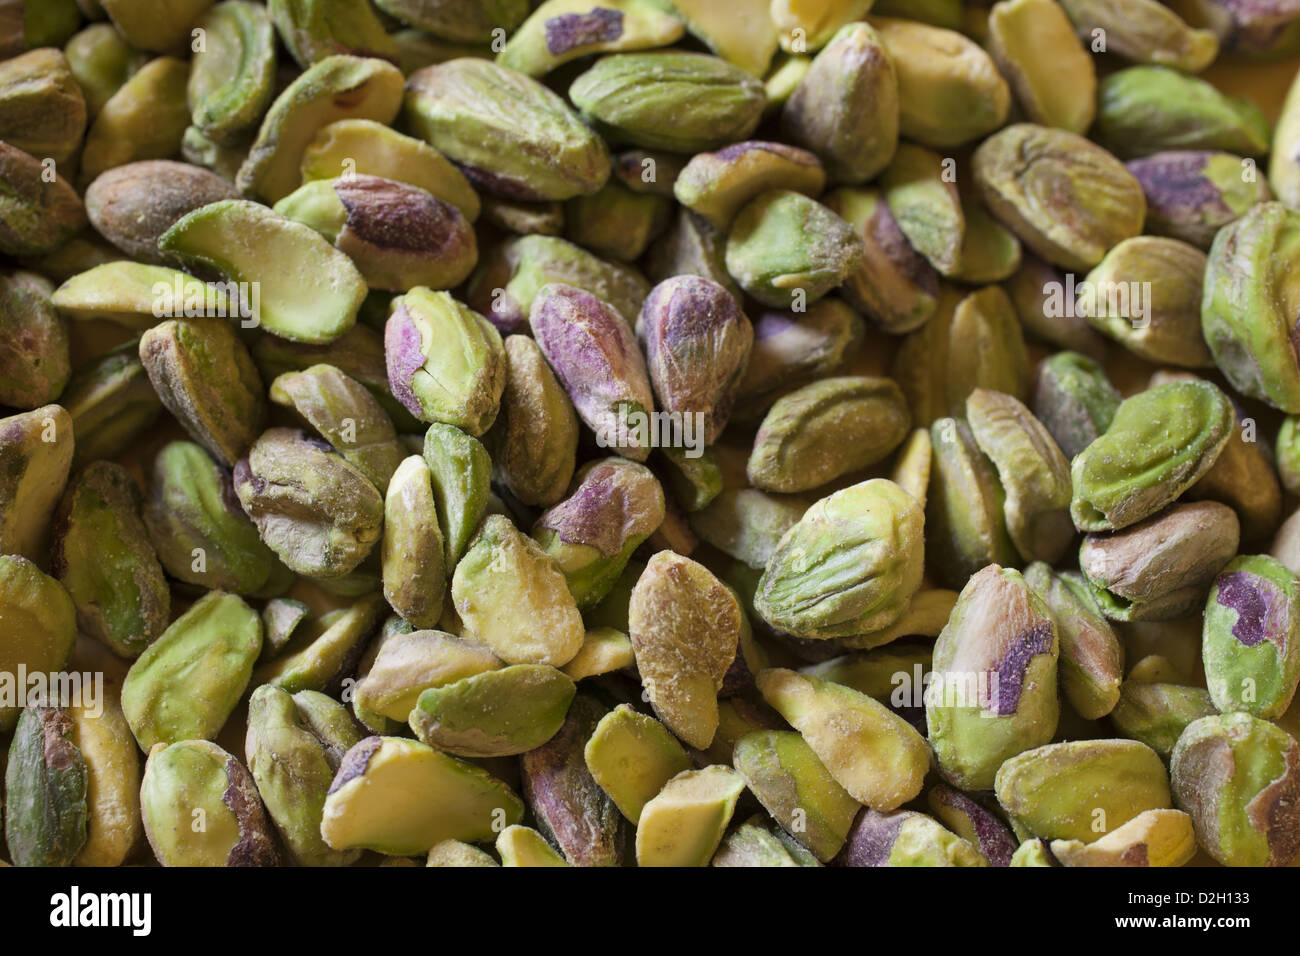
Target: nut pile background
x=649 y=432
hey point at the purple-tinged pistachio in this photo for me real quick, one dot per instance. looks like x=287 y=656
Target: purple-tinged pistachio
x=413 y=553
x=445 y=361
x=675 y=101
x=684 y=624
x=792 y=348
x=794 y=786
x=46 y=790
x=617 y=222
x=1192 y=194
x=683 y=824
x=1083 y=789
x=974 y=823
x=1251 y=637
x=1033 y=473
x=615 y=505
x=1074 y=400
x=949 y=89
x=1157 y=714
x=1150 y=109
x=828 y=429
x=1091 y=665
x=753 y=844
x=1238 y=777
x=1145 y=31
x=196 y=779
x=34 y=358
x=398 y=235
x=747 y=524
x=36 y=450
x=507 y=282
x=198 y=528
x=402 y=798
x=1042 y=296
x=716 y=186
x=1152 y=838
x=513 y=597
x=849 y=566
x=510 y=135
x=102 y=555
x=846 y=108
x=596 y=358
x=896 y=287
x=690 y=247
x=37 y=215
x=207 y=380
x=923 y=200
x=570 y=806
x=561 y=30
x=42 y=109
x=905 y=838
x=1160 y=569
x=631 y=756
x=1160 y=442
x=316 y=511
x=788 y=250
x=994 y=689
x=875 y=755
x=1064 y=197
x=461 y=473
x=1033 y=44
x=697 y=345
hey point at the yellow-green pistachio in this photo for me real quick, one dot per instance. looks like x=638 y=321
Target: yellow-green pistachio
x=562 y=30
x=232 y=74
x=926 y=615
x=679 y=102
x=571 y=808
x=845 y=109
x=1160 y=568
x=684 y=823
x=849 y=566
x=990 y=252
x=1083 y=789
x=1063 y=196
x=188 y=682
x=460 y=471
x=445 y=361
x=788 y=250
x=685 y=626
x=1152 y=838
x=716 y=186
x=808 y=26
x=35 y=457
x=752 y=844
x=458 y=854
x=40 y=620
x=267 y=259
x=1034 y=852
x=1144 y=31
x=34 y=359
x=471 y=111
x=913 y=464
x=792 y=348
x=413 y=552
x=923 y=200
x=145 y=119
x=905 y=838
x=102 y=555
x=1192 y=194
x=1157 y=446
x=161 y=26
x=939 y=13
x=974 y=823
x=1074 y=400
x=596 y=358
x=315 y=29
x=1286 y=453
x=615 y=506
x=135 y=296
x=512 y=596
x=207 y=380
x=1248 y=304
x=827 y=429
x=319 y=513
x=195 y=780
x=1236 y=775
x=42 y=108
x=524 y=846
x=1157 y=713
x=133 y=205
x=949 y=89
x=878 y=673
x=871 y=752
x=779 y=84
x=100 y=61
x=198 y=528
x=746 y=523
x=280 y=620
x=617 y=222
x=37 y=214
x=631 y=756
x=743 y=34
x=1091 y=664
x=1033 y=44
x=604 y=650
x=458 y=21
x=407 y=664
x=401 y=797
x=1244 y=477
x=335 y=88
x=45 y=790
x=1149 y=109
x=1041 y=294
x=896 y=287
x=1286 y=543
x=319 y=655
x=101 y=734
x=994 y=689
x=1251 y=637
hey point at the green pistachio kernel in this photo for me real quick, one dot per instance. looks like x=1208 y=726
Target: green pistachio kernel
x=232 y=77
x=46 y=790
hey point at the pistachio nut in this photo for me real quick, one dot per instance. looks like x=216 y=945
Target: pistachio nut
x=42 y=108
x=36 y=451
x=1034 y=45
x=684 y=822
x=145 y=119
x=1157 y=714
x=1144 y=32
x=40 y=620
x=905 y=838
x=232 y=76
x=315 y=29
x=35 y=361
x=45 y=790
x=460 y=471
x=37 y=214
x=1192 y=194
x=747 y=524
x=792 y=348
x=974 y=823
x=1074 y=400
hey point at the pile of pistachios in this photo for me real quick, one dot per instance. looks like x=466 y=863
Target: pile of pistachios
x=648 y=432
